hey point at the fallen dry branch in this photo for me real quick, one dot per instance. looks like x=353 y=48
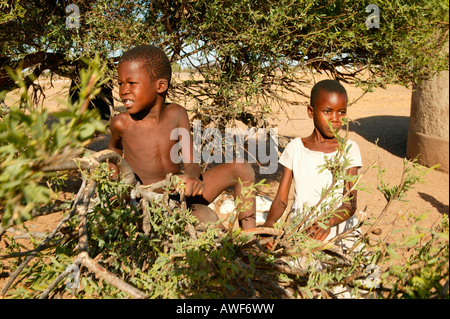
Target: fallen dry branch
x=104 y=274
x=81 y=207
x=92 y=162
x=82 y=204
x=83 y=247
x=262 y=231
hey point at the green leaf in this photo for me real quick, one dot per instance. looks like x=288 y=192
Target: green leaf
x=392 y=252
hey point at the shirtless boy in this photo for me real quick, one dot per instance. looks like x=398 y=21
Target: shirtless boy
x=142 y=135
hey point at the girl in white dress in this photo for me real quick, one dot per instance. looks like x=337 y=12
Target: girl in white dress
x=303 y=161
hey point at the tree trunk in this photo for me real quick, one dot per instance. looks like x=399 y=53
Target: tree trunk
x=429 y=122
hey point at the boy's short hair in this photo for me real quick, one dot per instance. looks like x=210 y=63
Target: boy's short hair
x=155 y=61
x=329 y=86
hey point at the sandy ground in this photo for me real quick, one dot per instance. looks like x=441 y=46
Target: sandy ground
x=383 y=114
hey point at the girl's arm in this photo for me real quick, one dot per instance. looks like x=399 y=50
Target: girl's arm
x=344 y=212
x=347 y=209
x=280 y=202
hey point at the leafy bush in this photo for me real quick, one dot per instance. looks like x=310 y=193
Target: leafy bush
x=28 y=144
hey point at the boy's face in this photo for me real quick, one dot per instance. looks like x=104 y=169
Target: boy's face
x=136 y=89
x=331 y=107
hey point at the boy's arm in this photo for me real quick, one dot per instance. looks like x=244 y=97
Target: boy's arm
x=192 y=171
x=279 y=204
x=115 y=143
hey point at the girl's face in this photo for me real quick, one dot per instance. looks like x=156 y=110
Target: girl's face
x=136 y=89
x=331 y=107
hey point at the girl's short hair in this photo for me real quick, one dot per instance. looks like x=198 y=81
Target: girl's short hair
x=329 y=86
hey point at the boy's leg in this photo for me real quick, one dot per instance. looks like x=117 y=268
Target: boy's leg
x=205 y=216
x=219 y=178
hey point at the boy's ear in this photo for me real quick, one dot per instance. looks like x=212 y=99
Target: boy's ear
x=310 y=110
x=162 y=85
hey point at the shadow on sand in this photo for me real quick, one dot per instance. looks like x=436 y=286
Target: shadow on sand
x=391 y=132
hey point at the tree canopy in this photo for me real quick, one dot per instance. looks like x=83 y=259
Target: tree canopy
x=245 y=54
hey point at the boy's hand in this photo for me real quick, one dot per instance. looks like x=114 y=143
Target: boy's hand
x=317 y=232
x=194 y=186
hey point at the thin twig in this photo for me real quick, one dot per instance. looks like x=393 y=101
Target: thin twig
x=383 y=212
x=82 y=210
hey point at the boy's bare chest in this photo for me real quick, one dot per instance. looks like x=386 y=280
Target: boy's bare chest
x=144 y=138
